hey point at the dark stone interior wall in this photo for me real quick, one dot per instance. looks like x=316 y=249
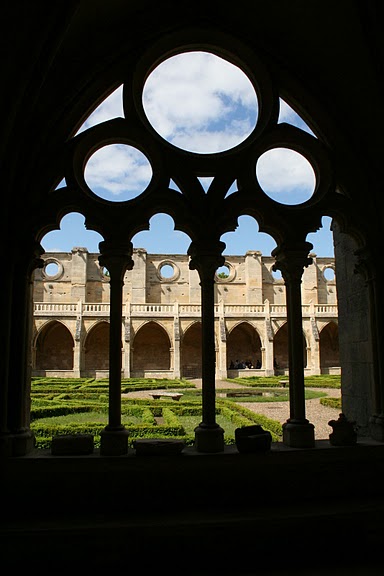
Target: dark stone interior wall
x=354 y=333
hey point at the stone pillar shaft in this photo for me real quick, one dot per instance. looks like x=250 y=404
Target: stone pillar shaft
x=291 y=261
x=209 y=436
x=295 y=349
x=208 y=354
x=22 y=439
x=117 y=260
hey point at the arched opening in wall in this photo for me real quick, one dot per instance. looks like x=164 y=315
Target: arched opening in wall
x=61 y=286
x=322 y=239
x=244 y=347
x=247 y=238
x=329 y=348
x=191 y=352
x=72 y=233
x=162 y=237
x=280 y=350
x=54 y=349
x=151 y=350
x=96 y=349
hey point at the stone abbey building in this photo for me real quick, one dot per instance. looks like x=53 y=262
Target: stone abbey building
x=161 y=321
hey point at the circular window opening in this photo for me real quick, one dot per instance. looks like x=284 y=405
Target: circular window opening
x=200 y=102
x=52 y=269
x=329 y=273
x=118 y=172
x=166 y=271
x=286 y=176
x=223 y=272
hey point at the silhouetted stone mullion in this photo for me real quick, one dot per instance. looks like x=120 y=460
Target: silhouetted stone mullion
x=291 y=261
x=209 y=436
x=117 y=259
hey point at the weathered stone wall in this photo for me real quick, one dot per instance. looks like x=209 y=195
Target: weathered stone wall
x=250 y=280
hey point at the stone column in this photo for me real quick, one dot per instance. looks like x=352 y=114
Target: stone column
x=222 y=363
x=127 y=341
x=291 y=261
x=77 y=348
x=176 y=342
x=18 y=417
x=117 y=259
x=314 y=342
x=366 y=266
x=206 y=258
x=267 y=350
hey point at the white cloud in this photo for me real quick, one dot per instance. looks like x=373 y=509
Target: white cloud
x=118 y=172
x=111 y=107
x=200 y=102
x=286 y=176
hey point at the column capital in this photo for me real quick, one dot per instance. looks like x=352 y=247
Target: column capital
x=291 y=259
x=206 y=259
x=117 y=258
x=35 y=260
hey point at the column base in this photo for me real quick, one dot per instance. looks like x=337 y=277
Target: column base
x=18 y=443
x=114 y=442
x=376 y=427
x=209 y=439
x=299 y=434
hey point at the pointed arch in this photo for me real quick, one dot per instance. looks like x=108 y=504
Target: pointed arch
x=54 y=347
x=280 y=349
x=329 y=347
x=244 y=345
x=151 y=348
x=96 y=347
x=191 y=347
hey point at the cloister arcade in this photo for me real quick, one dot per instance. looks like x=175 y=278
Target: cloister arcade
x=151 y=352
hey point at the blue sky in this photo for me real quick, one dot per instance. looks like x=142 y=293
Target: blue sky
x=201 y=103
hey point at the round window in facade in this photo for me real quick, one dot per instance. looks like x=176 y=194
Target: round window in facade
x=329 y=273
x=225 y=273
x=168 y=271
x=53 y=269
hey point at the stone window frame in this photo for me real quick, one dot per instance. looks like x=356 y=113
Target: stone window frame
x=329 y=267
x=174 y=266
x=231 y=276
x=59 y=273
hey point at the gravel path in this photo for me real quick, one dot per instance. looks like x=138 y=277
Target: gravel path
x=317 y=414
